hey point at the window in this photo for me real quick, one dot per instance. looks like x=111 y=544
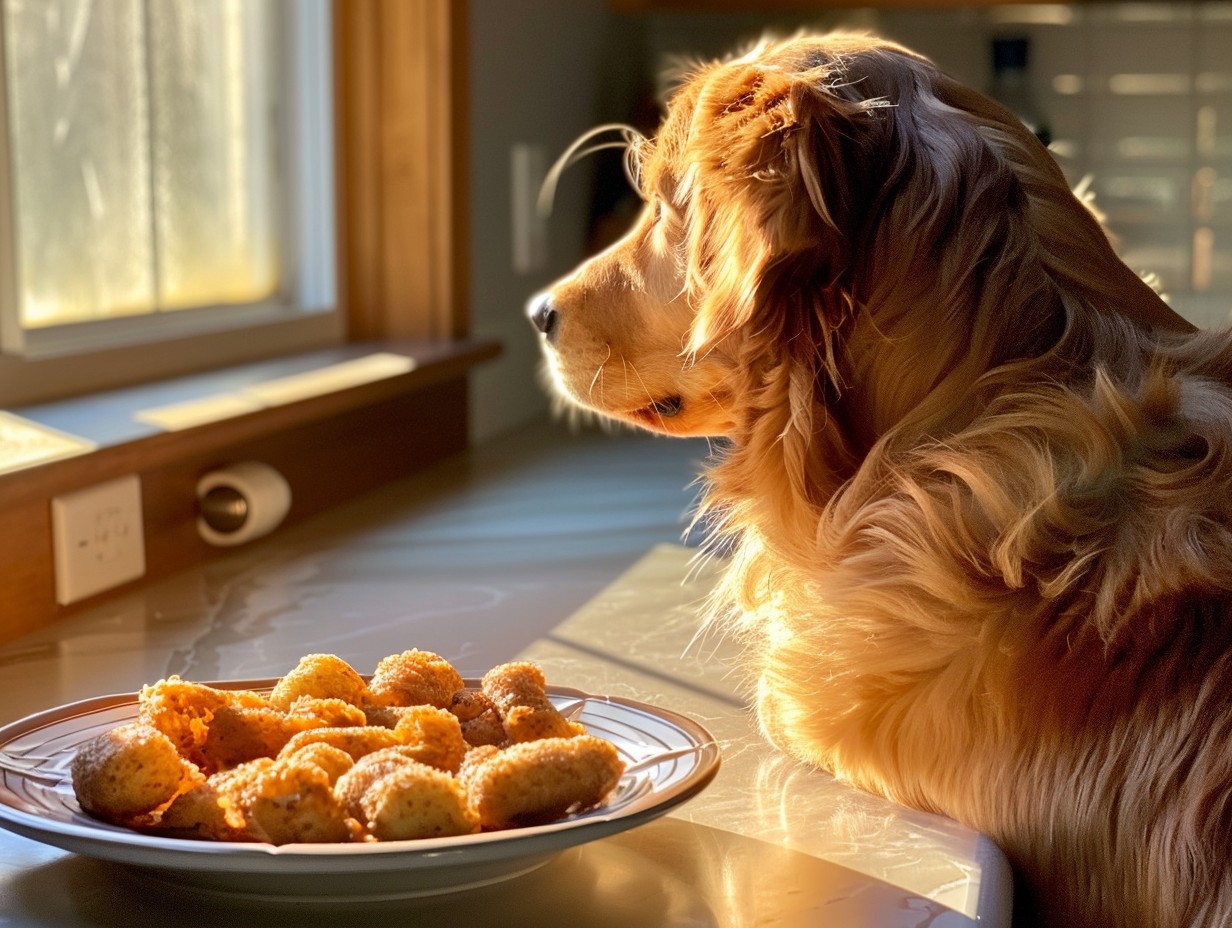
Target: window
x=166 y=173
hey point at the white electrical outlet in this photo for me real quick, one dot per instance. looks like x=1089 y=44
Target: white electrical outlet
x=98 y=538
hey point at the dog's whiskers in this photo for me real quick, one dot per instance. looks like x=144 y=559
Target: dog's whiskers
x=652 y=404
x=631 y=141
x=599 y=375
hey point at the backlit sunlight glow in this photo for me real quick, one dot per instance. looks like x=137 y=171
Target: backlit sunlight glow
x=142 y=156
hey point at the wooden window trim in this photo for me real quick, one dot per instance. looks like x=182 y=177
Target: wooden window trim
x=400 y=85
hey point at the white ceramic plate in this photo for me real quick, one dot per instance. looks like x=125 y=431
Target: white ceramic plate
x=669 y=759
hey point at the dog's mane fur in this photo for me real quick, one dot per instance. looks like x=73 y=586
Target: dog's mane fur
x=979 y=510
x=979 y=491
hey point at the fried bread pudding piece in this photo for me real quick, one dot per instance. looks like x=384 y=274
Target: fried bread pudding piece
x=128 y=771
x=534 y=782
x=519 y=692
x=414 y=678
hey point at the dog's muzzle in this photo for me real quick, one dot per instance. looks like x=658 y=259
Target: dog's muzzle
x=543 y=315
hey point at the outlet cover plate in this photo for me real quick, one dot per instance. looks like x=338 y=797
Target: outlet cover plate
x=98 y=538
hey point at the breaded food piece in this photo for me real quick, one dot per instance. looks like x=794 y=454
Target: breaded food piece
x=323 y=676
x=416 y=801
x=473 y=760
x=481 y=723
x=414 y=678
x=356 y=741
x=470 y=704
x=519 y=692
x=283 y=801
x=290 y=801
x=539 y=781
x=333 y=760
x=237 y=734
x=352 y=785
x=182 y=710
x=432 y=736
x=128 y=771
x=210 y=810
x=330 y=712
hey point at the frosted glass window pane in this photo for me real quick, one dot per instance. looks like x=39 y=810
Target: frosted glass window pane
x=79 y=152
x=212 y=145
x=142 y=155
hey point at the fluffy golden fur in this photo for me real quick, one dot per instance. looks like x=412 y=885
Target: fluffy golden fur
x=976 y=476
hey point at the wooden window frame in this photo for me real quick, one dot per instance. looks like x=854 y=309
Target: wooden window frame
x=401 y=91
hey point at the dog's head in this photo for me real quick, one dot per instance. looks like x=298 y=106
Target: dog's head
x=827 y=215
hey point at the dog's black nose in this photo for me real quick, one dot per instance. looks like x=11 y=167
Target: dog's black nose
x=544 y=315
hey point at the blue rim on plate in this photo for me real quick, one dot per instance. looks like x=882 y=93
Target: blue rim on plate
x=669 y=759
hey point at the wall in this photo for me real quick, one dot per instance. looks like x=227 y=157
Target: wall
x=534 y=78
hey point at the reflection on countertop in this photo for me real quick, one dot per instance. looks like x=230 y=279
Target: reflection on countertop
x=562 y=548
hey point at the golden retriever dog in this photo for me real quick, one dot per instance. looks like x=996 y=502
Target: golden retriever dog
x=975 y=476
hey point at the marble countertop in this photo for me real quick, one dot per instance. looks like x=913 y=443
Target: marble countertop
x=561 y=548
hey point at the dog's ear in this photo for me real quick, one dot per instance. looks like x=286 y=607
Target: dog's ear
x=778 y=176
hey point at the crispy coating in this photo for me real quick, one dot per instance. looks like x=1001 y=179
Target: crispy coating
x=333 y=760
x=432 y=736
x=539 y=781
x=128 y=771
x=237 y=734
x=352 y=785
x=416 y=801
x=291 y=801
x=182 y=710
x=481 y=723
x=414 y=678
x=283 y=801
x=486 y=729
x=386 y=716
x=470 y=704
x=519 y=692
x=356 y=741
x=473 y=760
x=330 y=712
x=210 y=810
x=323 y=676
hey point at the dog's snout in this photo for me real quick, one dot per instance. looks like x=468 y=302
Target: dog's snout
x=543 y=314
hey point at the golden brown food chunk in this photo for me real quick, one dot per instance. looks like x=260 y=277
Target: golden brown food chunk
x=414 y=678
x=128 y=771
x=289 y=802
x=356 y=741
x=416 y=801
x=238 y=734
x=352 y=785
x=481 y=723
x=539 y=781
x=210 y=809
x=182 y=710
x=330 y=713
x=519 y=692
x=322 y=676
x=432 y=736
x=473 y=760
x=333 y=760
